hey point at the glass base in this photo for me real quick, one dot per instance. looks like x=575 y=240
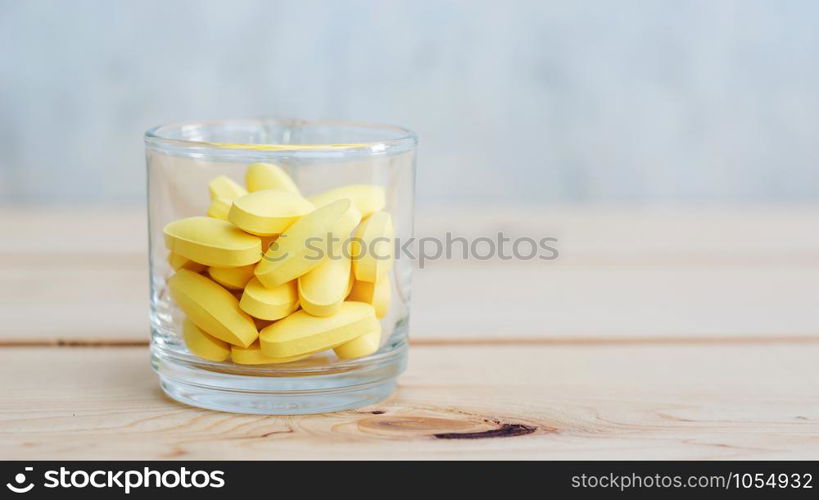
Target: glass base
x=279 y=390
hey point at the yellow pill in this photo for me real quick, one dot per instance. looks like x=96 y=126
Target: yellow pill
x=261 y=176
x=351 y=218
x=363 y=345
x=367 y=198
x=268 y=212
x=204 y=345
x=219 y=208
x=341 y=241
x=345 y=225
x=224 y=187
x=232 y=277
x=253 y=356
x=269 y=303
x=212 y=242
x=323 y=288
x=212 y=308
x=178 y=262
x=302 y=247
x=378 y=294
x=372 y=247
x=301 y=333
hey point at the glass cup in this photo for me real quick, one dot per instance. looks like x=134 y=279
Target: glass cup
x=182 y=160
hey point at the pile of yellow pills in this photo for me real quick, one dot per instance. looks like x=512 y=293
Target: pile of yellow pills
x=262 y=278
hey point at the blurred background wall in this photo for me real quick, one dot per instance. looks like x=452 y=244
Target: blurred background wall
x=524 y=101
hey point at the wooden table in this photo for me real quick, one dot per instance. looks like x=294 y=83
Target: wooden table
x=659 y=333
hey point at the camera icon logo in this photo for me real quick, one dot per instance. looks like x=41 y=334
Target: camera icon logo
x=20 y=478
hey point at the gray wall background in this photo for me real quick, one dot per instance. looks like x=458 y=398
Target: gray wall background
x=524 y=100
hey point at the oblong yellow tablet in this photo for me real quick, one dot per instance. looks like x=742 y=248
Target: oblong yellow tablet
x=372 y=247
x=378 y=294
x=212 y=242
x=302 y=247
x=204 y=345
x=301 y=333
x=253 y=355
x=178 y=262
x=219 y=208
x=341 y=233
x=268 y=212
x=212 y=308
x=345 y=225
x=269 y=303
x=323 y=288
x=232 y=277
x=363 y=345
x=226 y=188
x=367 y=198
x=259 y=176
x=351 y=218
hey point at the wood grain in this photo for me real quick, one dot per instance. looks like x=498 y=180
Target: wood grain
x=467 y=402
x=671 y=333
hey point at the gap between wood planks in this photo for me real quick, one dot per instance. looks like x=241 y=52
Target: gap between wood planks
x=580 y=341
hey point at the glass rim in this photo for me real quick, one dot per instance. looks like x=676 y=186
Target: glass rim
x=405 y=138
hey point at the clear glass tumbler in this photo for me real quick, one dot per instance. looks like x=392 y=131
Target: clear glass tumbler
x=183 y=159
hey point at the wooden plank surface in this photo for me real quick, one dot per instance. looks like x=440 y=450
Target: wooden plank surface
x=700 y=401
x=623 y=273
x=670 y=333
